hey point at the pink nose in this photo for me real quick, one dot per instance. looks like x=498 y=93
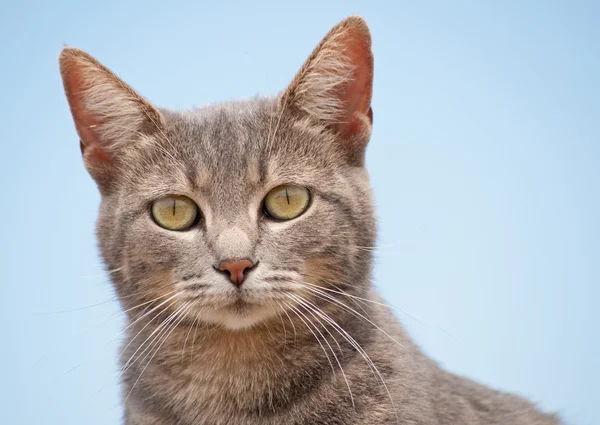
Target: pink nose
x=236 y=269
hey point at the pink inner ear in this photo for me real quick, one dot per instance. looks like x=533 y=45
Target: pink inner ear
x=356 y=95
x=85 y=122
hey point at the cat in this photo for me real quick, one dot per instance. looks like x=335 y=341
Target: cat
x=237 y=237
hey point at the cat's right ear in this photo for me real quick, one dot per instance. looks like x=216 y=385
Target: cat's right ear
x=109 y=115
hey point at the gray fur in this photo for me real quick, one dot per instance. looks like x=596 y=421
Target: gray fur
x=219 y=364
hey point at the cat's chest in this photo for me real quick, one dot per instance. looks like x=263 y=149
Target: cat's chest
x=267 y=390
x=257 y=382
x=217 y=383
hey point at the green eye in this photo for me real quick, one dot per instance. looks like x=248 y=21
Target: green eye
x=286 y=202
x=174 y=212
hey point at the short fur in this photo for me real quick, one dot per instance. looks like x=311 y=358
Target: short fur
x=305 y=340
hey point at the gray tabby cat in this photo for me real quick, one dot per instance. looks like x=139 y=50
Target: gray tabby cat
x=237 y=239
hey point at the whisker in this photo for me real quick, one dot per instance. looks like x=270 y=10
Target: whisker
x=129 y=362
x=78 y=308
x=323 y=295
x=340 y=291
x=321 y=334
x=146 y=325
x=364 y=248
x=158 y=349
x=355 y=344
x=300 y=315
x=197 y=323
x=326 y=317
x=365 y=300
x=333 y=352
x=271 y=142
x=124 y=368
x=163 y=328
x=110 y=300
x=282 y=325
x=159 y=128
x=66 y=373
x=101 y=274
x=186 y=338
x=291 y=321
x=123 y=312
x=325 y=327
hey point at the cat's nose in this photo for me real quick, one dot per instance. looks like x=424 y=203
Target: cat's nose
x=236 y=270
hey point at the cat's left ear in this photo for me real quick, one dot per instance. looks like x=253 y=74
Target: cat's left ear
x=335 y=84
x=110 y=117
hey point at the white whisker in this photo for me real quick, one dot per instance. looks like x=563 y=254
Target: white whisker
x=355 y=344
x=325 y=296
x=158 y=348
x=310 y=310
x=145 y=343
x=300 y=315
x=291 y=321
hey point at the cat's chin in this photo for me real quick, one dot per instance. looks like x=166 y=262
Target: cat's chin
x=238 y=316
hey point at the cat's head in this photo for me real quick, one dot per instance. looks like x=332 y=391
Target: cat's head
x=235 y=212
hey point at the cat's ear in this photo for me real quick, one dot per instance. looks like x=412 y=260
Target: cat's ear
x=109 y=115
x=335 y=84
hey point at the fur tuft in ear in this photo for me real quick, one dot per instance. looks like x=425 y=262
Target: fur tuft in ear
x=108 y=114
x=335 y=84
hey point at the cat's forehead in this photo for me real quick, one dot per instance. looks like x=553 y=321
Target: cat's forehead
x=246 y=143
x=224 y=137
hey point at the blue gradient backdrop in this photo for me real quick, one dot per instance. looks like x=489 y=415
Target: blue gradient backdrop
x=485 y=161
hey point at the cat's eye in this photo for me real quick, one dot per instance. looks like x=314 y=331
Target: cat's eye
x=286 y=202
x=174 y=212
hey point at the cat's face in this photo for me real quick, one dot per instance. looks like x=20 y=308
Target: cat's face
x=226 y=160
x=234 y=213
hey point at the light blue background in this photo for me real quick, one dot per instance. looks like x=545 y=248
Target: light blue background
x=484 y=159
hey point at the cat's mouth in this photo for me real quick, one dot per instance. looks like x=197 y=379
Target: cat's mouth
x=240 y=302
x=238 y=314
x=233 y=307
